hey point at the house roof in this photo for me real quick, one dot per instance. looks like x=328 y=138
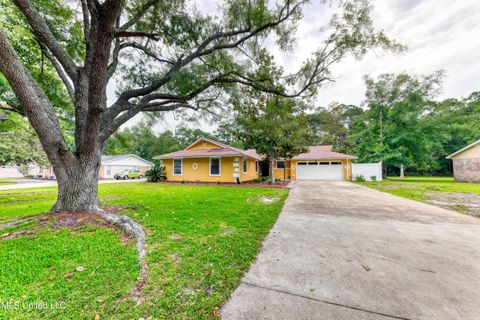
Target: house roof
x=108 y=158
x=463 y=149
x=223 y=150
x=322 y=152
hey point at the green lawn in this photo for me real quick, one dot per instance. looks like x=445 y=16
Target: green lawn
x=417 y=187
x=6 y=181
x=201 y=240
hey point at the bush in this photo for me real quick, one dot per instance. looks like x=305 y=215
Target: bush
x=155 y=174
x=359 y=178
x=373 y=178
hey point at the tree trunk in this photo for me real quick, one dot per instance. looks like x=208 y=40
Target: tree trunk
x=77 y=187
x=402 y=174
x=272 y=170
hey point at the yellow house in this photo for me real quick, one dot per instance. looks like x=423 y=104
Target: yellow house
x=211 y=161
x=318 y=163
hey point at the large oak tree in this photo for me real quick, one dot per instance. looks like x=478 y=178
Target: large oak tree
x=162 y=55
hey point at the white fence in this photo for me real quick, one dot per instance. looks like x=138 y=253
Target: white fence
x=367 y=170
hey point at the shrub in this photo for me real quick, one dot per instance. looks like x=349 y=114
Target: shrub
x=155 y=174
x=373 y=178
x=359 y=178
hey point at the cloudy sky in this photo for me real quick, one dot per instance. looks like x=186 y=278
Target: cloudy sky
x=439 y=34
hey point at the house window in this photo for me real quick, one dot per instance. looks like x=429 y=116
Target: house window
x=245 y=165
x=256 y=166
x=177 y=167
x=280 y=164
x=336 y=162
x=214 y=166
x=109 y=170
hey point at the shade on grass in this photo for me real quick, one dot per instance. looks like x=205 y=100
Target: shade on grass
x=200 y=240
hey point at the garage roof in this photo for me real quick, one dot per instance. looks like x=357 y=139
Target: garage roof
x=322 y=152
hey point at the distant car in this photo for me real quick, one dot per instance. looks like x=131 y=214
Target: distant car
x=128 y=174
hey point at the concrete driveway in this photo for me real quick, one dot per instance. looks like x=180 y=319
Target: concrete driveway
x=343 y=251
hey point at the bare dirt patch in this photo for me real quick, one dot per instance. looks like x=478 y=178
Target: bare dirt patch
x=72 y=220
x=462 y=202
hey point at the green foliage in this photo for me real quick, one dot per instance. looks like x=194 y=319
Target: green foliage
x=156 y=174
x=373 y=178
x=359 y=178
x=18 y=143
x=401 y=123
x=331 y=126
x=142 y=140
x=275 y=127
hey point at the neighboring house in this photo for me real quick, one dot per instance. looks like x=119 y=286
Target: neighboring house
x=110 y=165
x=114 y=164
x=466 y=163
x=211 y=161
x=10 y=171
x=318 y=163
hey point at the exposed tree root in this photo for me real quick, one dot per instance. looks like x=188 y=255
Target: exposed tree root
x=129 y=226
x=16 y=222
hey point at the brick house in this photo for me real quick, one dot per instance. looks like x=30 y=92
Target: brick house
x=466 y=163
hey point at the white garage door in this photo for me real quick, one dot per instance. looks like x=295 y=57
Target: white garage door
x=312 y=170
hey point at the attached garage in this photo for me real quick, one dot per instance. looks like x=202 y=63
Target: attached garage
x=321 y=163
x=320 y=170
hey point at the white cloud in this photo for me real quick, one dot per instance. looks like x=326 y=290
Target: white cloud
x=439 y=35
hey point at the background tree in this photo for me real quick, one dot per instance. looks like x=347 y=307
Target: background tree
x=275 y=127
x=392 y=129
x=164 y=56
x=331 y=126
x=18 y=143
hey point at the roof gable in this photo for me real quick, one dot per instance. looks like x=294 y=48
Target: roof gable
x=456 y=153
x=204 y=143
x=108 y=159
x=204 y=147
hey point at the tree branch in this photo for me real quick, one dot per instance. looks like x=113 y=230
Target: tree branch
x=137 y=34
x=136 y=17
x=60 y=71
x=35 y=104
x=43 y=33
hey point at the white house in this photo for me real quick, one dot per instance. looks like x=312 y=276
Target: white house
x=114 y=164
x=109 y=167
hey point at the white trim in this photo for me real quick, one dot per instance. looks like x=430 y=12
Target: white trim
x=127 y=155
x=276 y=164
x=181 y=166
x=463 y=149
x=245 y=165
x=219 y=167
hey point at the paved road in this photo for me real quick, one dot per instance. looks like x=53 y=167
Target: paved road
x=33 y=183
x=342 y=251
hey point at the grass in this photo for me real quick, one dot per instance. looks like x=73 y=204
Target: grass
x=417 y=188
x=201 y=240
x=7 y=181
